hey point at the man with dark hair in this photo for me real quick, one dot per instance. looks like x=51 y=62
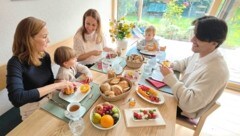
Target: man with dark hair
x=204 y=74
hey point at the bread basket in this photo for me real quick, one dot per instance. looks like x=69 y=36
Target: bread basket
x=118 y=97
x=134 y=65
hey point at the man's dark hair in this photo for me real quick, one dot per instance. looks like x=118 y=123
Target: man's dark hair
x=210 y=29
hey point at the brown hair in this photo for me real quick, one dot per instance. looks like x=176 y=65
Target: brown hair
x=210 y=29
x=23 y=48
x=150 y=29
x=94 y=14
x=63 y=54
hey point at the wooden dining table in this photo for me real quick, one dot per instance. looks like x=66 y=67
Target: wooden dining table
x=42 y=123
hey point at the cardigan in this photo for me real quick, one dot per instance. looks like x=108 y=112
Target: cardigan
x=203 y=81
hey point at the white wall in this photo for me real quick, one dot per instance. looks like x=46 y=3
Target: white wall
x=63 y=18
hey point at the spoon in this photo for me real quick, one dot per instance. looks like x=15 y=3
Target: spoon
x=130 y=99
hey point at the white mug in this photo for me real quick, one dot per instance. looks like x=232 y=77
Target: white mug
x=73 y=109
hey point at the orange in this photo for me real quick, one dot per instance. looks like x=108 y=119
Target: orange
x=107 y=121
x=84 y=88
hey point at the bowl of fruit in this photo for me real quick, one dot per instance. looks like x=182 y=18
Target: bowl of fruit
x=115 y=88
x=105 y=116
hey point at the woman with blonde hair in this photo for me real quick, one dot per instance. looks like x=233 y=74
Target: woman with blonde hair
x=29 y=74
x=89 y=41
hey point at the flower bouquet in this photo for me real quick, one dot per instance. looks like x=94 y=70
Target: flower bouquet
x=120 y=29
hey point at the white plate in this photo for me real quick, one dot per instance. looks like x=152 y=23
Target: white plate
x=99 y=126
x=152 y=53
x=160 y=96
x=130 y=122
x=82 y=111
x=77 y=96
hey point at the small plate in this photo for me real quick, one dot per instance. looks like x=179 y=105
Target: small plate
x=77 y=96
x=152 y=53
x=82 y=111
x=160 y=96
x=99 y=126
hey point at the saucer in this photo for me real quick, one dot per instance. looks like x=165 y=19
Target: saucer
x=82 y=111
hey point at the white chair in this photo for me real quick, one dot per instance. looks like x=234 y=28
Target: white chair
x=197 y=125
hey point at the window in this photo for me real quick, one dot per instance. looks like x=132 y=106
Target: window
x=172 y=18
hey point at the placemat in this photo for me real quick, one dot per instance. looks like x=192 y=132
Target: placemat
x=122 y=61
x=165 y=89
x=58 y=111
x=143 y=81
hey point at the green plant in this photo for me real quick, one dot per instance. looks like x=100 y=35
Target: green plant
x=174 y=12
x=120 y=29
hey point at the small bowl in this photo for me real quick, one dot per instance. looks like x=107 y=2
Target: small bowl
x=134 y=65
x=118 y=97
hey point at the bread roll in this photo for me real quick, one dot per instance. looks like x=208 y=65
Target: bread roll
x=124 y=84
x=108 y=93
x=115 y=81
x=105 y=87
x=117 y=89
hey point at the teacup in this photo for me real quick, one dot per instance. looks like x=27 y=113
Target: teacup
x=73 y=109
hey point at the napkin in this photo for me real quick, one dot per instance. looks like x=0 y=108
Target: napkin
x=156 y=83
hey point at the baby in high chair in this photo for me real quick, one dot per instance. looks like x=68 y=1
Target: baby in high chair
x=149 y=43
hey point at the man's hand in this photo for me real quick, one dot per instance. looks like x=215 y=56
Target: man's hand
x=165 y=70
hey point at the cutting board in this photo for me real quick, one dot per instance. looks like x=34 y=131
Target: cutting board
x=128 y=115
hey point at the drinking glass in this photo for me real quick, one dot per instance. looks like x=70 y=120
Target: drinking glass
x=147 y=70
x=76 y=126
x=161 y=56
x=106 y=64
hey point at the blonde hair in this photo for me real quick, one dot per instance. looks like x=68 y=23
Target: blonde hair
x=94 y=14
x=63 y=54
x=151 y=29
x=23 y=47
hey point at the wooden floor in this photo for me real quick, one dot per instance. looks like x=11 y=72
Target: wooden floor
x=225 y=121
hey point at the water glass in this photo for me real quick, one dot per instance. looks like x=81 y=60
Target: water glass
x=161 y=56
x=152 y=62
x=106 y=64
x=76 y=127
x=147 y=70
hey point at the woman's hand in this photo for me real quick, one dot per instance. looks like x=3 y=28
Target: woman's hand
x=165 y=70
x=66 y=84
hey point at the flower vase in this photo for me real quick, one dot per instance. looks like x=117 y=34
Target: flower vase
x=122 y=44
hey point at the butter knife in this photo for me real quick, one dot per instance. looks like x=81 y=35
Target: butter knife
x=58 y=104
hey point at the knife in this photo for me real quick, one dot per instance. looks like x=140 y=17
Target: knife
x=58 y=104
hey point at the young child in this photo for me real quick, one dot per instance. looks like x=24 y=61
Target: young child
x=149 y=43
x=69 y=67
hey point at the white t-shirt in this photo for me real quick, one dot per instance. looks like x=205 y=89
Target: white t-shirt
x=82 y=47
